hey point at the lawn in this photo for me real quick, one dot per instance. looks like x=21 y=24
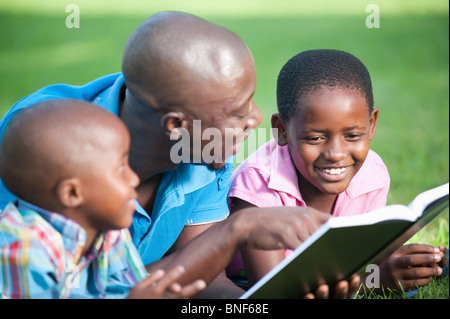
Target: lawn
x=408 y=58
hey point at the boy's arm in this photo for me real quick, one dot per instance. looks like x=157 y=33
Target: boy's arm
x=260 y=262
x=219 y=287
x=257 y=262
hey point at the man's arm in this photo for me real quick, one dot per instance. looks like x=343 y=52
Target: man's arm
x=205 y=250
x=219 y=287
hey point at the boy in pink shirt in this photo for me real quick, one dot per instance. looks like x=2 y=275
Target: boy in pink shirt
x=321 y=158
x=268 y=178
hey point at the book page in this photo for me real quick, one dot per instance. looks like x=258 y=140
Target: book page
x=346 y=245
x=424 y=199
x=392 y=212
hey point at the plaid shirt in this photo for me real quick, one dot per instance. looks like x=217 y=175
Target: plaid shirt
x=41 y=257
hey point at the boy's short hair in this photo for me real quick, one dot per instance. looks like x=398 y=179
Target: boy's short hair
x=310 y=70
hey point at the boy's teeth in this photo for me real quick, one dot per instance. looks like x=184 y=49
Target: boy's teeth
x=334 y=171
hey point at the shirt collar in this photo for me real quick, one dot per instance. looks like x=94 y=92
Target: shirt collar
x=109 y=99
x=65 y=226
x=283 y=175
x=193 y=177
x=366 y=181
x=176 y=184
x=73 y=235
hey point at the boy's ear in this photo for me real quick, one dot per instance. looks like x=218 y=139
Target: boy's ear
x=69 y=192
x=373 y=123
x=173 y=121
x=279 y=129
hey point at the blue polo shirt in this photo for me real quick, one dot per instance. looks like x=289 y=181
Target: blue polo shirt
x=189 y=195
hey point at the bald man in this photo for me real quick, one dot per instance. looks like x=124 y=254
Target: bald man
x=178 y=68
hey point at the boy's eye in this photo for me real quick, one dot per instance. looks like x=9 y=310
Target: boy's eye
x=353 y=137
x=314 y=139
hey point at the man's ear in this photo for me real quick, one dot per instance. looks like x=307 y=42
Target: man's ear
x=69 y=192
x=173 y=121
x=373 y=123
x=279 y=129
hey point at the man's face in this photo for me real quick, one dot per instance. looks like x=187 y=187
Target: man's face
x=227 y=113
x=212 y=102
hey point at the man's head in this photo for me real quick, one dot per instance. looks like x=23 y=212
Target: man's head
x=71 y=157
x=182 y=68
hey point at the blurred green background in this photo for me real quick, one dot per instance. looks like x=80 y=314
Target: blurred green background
x=407 y=56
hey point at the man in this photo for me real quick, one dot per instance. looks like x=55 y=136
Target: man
x=178 y=68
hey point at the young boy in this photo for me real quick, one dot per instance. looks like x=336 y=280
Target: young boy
x=66 y=236
x=321 y=158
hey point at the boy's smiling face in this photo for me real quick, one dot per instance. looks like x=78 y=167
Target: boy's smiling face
x=329 y=137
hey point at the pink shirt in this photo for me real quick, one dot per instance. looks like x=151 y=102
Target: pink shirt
x=268 y=178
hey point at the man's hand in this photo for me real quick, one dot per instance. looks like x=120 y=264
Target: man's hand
x=205 y=254
x=278 y=227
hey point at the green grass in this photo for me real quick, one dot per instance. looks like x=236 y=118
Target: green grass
x=408 y=58
x=436 y=289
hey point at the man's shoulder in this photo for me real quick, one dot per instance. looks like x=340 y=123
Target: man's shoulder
x=87 y=92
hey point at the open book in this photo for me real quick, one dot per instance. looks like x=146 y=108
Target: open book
x=347 y=245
